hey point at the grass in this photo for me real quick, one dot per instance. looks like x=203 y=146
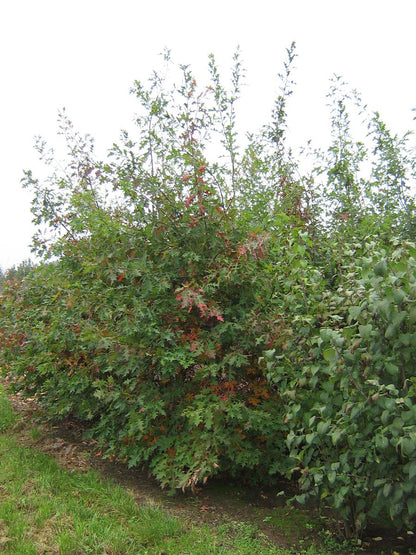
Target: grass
x=46 y=509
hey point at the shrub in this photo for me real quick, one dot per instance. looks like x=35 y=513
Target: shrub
x=349 y=385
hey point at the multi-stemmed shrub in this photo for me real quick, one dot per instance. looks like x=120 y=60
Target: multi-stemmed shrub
x=344 y=364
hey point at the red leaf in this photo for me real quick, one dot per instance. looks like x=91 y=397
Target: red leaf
x=189 y=200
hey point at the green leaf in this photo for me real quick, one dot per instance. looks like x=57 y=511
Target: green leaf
x=309 y=438
x=332 y=475
x=330 y=355
x=408 y=446
x=336 y=436
x=411 y=506
x=388 y=488
x=390 y=331
x=322 y=427
x=354 y=312
x=365 y=331
x=384 y=308
x=411 y=469
x=382 y=442
x=395 y=509
x=399 y=295
x=392 y=369
x=380 y=269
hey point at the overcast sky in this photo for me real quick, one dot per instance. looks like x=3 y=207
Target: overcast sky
x=85 y=54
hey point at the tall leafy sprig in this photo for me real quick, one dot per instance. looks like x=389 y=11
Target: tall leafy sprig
x=271 y=181
x=392 y=180
x=225 y=113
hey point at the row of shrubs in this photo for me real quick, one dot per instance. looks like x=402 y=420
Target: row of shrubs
x=225 y=316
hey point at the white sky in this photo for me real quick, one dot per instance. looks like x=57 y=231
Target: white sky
x=85 y=54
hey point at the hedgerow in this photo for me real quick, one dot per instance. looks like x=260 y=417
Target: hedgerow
x=207 y=309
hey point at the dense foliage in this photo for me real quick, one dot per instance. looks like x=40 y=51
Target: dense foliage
x=208 y=310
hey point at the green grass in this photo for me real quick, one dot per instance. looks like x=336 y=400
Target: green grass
x=46 y=509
